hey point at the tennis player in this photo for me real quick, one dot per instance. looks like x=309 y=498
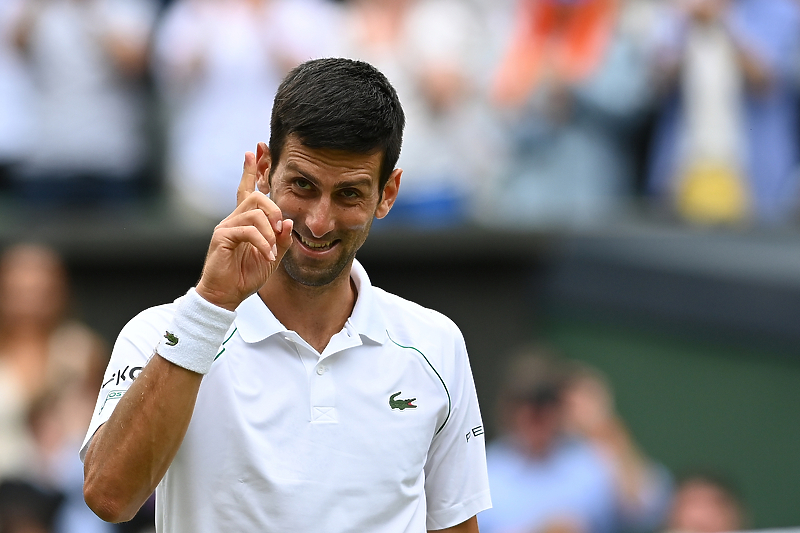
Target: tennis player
x=284 y=392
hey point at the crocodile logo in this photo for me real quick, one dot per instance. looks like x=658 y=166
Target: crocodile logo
x=401 y=404
x=172 y=340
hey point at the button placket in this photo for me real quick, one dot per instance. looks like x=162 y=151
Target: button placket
x=323 y=394
x=308 y=363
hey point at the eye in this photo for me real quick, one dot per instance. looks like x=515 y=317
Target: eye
x=302 y=183
x=350 y=193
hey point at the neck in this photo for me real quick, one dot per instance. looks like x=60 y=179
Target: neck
x=314 y=313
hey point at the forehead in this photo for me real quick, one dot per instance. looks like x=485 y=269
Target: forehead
x=323 y=163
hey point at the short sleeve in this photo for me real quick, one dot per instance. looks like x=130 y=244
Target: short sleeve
x=132 y=350
x=456 y=480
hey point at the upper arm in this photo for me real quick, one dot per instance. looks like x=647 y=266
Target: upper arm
x=470 y=526
x=132 y=350
x=456 y=479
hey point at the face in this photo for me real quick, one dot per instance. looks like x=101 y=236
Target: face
x=703 y=508
x=32 y=287
x=332 y=197
x=536 y=427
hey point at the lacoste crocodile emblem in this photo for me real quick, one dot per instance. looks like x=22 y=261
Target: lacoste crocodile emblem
x=401 y=404
x=172 y=340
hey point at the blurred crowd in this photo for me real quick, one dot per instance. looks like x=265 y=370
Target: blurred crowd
x=528 y=112
x=51 y=367
x=520 y=112
x=563 y=460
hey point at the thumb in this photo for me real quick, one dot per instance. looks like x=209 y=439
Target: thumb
x=284 y=238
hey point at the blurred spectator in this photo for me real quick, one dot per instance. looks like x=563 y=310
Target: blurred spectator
x=27 y=508
x=49 y=367
x=572 y=86
x=726 y=147
x=56 y=421
x=565 y=461
x=87 y=59
x=219 y=63
x=705 y=503
x=433 y=51
x=15 y=95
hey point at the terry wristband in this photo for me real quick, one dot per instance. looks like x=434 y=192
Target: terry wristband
x=197 y=331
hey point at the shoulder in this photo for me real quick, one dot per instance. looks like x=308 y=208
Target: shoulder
x=77 y=336
x=410 y=325
x=408 y=319
x=148 y=326
x=153 y=317
x=582 y=461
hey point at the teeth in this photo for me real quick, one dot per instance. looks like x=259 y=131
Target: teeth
x=315 y=246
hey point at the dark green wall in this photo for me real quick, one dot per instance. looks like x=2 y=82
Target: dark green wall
x=691 y=402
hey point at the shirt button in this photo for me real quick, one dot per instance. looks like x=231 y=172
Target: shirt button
x=321 y=369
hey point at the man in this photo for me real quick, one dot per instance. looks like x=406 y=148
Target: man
x=565 y=461
x=327 y=404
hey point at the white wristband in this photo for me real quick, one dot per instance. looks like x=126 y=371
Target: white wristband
x=197 y=331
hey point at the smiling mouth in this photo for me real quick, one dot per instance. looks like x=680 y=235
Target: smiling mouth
x=316 y=246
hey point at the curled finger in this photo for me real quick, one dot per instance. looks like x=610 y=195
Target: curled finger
x=238 y=235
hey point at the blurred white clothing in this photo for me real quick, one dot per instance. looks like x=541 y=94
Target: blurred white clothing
x=88 y=114
x=436 y=60
x=15 y=91
x=219 y=64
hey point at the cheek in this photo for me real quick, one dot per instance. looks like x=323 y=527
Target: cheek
x=355 y=220
x=289 y=205
x=354 y=227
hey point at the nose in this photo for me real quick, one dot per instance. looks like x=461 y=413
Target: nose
x=319 y=218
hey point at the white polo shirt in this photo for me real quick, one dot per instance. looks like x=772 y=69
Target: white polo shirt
x=381 y=433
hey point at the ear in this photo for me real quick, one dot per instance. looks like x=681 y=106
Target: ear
x=389 y=193
x=263 y=165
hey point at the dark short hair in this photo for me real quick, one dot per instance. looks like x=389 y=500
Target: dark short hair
x=339 y=104
x=535 y=374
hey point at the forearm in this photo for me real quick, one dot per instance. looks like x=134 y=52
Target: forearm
x=630 y=466
x=131 y=452
x=756 y=72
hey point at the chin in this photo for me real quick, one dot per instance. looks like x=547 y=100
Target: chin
x=313 y=277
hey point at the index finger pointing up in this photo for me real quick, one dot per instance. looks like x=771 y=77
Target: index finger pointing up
x=248 y=183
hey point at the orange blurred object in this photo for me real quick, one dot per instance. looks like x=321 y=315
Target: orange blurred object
x=554 y=40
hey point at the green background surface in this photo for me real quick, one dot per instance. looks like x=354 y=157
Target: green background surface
x=694 y=403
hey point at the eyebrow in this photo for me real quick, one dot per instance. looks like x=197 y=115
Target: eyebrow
x=366 y=182
x=342 y=184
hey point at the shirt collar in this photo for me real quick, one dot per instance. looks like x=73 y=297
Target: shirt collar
x=367 y=318
x=256 y=322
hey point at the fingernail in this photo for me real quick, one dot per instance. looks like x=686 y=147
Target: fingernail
x=279 y=225
x=274 y=251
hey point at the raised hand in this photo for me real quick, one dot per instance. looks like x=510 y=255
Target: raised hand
x=246 y=247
